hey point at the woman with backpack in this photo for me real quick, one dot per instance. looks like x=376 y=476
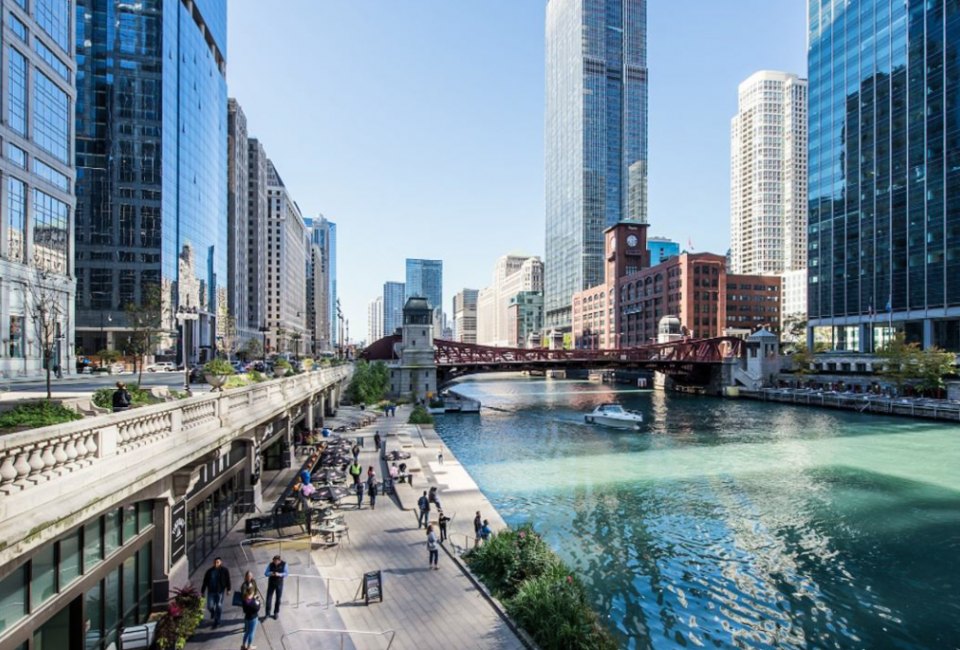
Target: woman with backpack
x=251 y=607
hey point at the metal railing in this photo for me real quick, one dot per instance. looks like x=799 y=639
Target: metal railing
x=389 y=634
x=460 y=550
x=272 y=540
x=328 y=599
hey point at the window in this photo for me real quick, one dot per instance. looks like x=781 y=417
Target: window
x=16 y=336
x=53 y=16
x=43 y=583
x=17 y=156
x=51 y=175
x=92 y=545
x=13 y=598
x=49 y=232
x=111 y=534
x=51 y=117
x=16 y=214
x=52 y=59
x=18 y=27
x=69 y=566
x=17 y=102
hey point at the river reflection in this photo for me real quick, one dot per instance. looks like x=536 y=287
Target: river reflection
x=729 y=523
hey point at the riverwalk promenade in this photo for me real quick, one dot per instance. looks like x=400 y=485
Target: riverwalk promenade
x=322 y=604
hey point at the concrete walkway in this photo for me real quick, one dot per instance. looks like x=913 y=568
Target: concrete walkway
x=421 y=608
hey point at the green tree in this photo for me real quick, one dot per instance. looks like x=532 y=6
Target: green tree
x=901 y=360
x=251 y=350
x=802 y=359
x=933 y=365
x=369 y=383
x=145 y=320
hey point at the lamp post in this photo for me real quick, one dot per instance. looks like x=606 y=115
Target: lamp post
x=263 y=330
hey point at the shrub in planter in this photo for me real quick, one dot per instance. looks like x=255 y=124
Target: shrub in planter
x=282 y=368
x=184 y=614
x=217 y=371
x=419 y=415
x=37 y=414
x=510 y=557
x=103 y=397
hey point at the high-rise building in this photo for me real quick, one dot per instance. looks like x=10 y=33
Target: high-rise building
x=286 y=263
x=884 y=233
x=239 y=232
x=36 y=232
x=323 y=234
x=318 y=326
x=524 y=318
x=425 y=279
x=394 y=296
x=375 y=320
x=511 y=275
x=661 y=249
x=465 y=316
x=596 y=138
x=257 y=215
x=768 y=175
x=151 y=155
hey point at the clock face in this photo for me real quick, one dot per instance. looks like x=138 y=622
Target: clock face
x=632 y=241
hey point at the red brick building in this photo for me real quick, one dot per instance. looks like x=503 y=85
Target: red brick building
x=695 y=287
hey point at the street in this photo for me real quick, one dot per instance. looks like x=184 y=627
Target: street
x=80 y=385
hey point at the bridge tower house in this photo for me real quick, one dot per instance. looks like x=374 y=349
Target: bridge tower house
x=415 y=376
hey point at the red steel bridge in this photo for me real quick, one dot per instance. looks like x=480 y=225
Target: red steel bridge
x=691 y=361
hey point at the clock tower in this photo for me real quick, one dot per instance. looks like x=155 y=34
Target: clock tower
x=625 y=250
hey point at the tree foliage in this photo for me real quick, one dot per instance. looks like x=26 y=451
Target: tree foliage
x=46 y=303
x=145 y=321
x=369 y=383
x=251 y=350
x=906 y=362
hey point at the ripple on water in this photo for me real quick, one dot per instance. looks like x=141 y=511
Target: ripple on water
x=820 y=530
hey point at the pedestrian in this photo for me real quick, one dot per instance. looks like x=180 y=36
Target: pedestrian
x=248 y=581
x=423 y=516
x=251 y=607
x=305 y=477
x=433 y=547
x=370 y=473
x=477 y=526
x=440 y=457
x=372 y=491
x=376 y=440
x=485 y=531
x=276 y=572
x=355 y=471
x=121 y=398
x=359 y=495
x=443 y=519
x=356 y=452
x=216 y=582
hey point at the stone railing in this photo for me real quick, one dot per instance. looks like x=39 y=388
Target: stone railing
x=29 y=458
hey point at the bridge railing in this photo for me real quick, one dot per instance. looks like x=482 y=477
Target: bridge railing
x=86 y=462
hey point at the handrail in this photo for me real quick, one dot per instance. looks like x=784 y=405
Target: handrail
x=326 y=579
x=460 y=550
x=269 y=540
x=392 y=633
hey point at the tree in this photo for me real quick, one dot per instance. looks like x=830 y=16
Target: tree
x=934 y=364
x=47 y=307
x=145 y=321
x=369 y=382
x=901 y=360
x=802 y=359
x=252 y=349
x=228 y=335
x=795 y=328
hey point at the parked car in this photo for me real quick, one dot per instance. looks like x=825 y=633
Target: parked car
x=162 y=366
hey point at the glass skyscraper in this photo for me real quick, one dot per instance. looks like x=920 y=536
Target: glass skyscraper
x=596 y=138
x=425 y=279
x=151 y=122
x=393 y=299
x=884 y=172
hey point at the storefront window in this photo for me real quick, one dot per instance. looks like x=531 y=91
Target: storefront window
x=13 y=599
x=144 y=515
x=44 y=582
x=94 y=624
x=111 y=532
x=16 y=337
x=92 y=545
x=130 y=591
x=111 y=602
x=69 y=559
x=144 y=578
x=55 y=633
x=129 y=522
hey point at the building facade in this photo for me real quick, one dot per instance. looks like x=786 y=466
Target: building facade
x=375 y=320
x=425 y=279
x=596 y=138
x=524 y=318
x=323 y=233
x=465 y=316
x=768 y=175
x=884 y=196
x=239 y=232
x=793 y=307
x=37 y=246
x=318 y=329
x=393 y=298
x=511 y=275
x=661 y=248
x=286 y=299
x=151 y=156
x=257 y=215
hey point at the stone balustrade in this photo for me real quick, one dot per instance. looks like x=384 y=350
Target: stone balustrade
x=81 y=460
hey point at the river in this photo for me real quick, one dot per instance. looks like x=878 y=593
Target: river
x=729 y=523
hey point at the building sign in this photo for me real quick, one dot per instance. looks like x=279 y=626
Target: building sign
x=178 y=531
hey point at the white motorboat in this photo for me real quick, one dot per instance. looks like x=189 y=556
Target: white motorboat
x=614 y=415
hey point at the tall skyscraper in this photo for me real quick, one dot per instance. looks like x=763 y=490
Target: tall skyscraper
x=394 y=297
x=36 y=232
x=239 y=231
x=375 y=320
x=286 y=299
x=323 y=233
x=425 y=279
x=465 y=316
x=661 y=249
x=151 y=155
x=884 y=222
x=512 y=274
x=596 y=138
x=768 y=175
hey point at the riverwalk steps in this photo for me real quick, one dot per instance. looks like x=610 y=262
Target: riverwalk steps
x=422 y=608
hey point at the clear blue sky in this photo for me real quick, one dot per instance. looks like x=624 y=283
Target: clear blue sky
x=417 y=126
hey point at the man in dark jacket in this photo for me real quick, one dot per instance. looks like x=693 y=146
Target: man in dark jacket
x=276 y=572
x=121 y=398
x=216 y=582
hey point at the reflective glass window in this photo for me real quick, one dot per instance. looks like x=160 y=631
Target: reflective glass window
x=129 y=522
x=93 y=605
x=51 y=175
x=17 y=91
x=144 y=515
x=111 y=604
x=16 y=218
x=52 y=59
x=13 y=599
x=18 y=28
x=69 y=565
x=144 y=577
x=51 y=116
x=43 y=583
x=92 y=545
x=130 y=591
x=50 y=234
x=17 y=156
x=53 y=16
x=111 y=532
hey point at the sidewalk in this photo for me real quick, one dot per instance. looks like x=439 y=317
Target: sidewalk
x=424 y=608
